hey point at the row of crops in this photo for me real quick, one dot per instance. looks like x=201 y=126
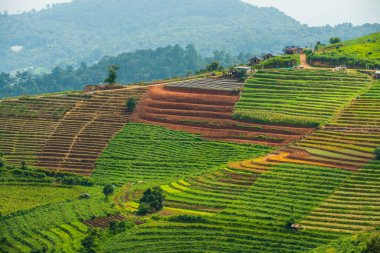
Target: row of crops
x=148 y=154
x=349 y=140
x=85 y=130
x=243 y=212
x=298 y=97
x=27 y=122
x=53 y=226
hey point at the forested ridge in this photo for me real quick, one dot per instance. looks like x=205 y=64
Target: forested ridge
x=86 y=30
x=138 y=66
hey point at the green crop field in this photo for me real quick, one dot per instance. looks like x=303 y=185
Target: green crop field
x=147 y=154
x=89 y=162
x=298 y=97
x=359 y=53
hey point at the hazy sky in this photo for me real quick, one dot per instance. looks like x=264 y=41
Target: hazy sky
x=311 y=12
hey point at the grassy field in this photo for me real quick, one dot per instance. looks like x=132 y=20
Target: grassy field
x=298 y=97
x=359 y=53
x=243 y=212
x=147 y=154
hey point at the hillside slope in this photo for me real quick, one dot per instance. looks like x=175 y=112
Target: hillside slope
x=362 y=52
x=84 y=31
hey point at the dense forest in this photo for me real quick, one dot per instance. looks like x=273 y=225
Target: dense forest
x=86 y=30
x=138 y=66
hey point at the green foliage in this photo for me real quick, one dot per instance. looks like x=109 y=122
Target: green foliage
x=117 y=227
x=334 y=40
x=135 y=67
x=373 y=245
x=112 y=74
x=131 y=104
x=108 y=190
x=270 y=118
x=188 y=219
x=91 y=241
x=2 y=161
x=231 y=25
x=377 y=153
x=363 y=52
x=213 y=66
x=283 y=61
x=152 y=201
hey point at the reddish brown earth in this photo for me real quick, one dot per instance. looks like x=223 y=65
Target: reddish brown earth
x=104 y=222
x=208 y=113
x=81 y=135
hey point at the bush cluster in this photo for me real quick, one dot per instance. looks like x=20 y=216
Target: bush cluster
x=152 y=201
x=188 y=219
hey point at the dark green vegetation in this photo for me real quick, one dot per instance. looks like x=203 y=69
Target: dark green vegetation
x=377 y=153
x=151 y=155
x=131 y=104
x=139 y=66
x=85 y=31
x=152 y=201
x=298 y=97
x=283 y=61
x=112 y=74
x=362 y=52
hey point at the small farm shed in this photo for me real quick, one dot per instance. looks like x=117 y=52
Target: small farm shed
x=268 y=56
x=377 y=74
x=255 y=60
x=293 y=50
x=296 y=226
x=243 y=69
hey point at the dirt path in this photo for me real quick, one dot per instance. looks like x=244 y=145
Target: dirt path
x=304 y=62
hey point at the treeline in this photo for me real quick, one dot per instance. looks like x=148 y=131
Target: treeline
x=138 y=66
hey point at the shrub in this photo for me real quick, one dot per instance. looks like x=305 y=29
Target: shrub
x=131 y=104
x=152 y=201
x=373 y=245
x=377 y=153
x=188 y=219
x=117 y=227
x=108 y=191
x=76 y=180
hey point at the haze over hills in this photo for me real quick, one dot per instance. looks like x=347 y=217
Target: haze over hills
x=86 y=30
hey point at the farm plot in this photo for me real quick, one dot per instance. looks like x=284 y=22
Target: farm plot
x=348 y=141
x=354 y=206
x=146 y=154
x=27 y=122
x=54 y=227
x=208 y=112
x=298 y=97
x=84 y=131
x=229 y=85
x=242 y=212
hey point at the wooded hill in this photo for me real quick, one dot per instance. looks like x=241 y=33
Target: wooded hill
x=85 y=31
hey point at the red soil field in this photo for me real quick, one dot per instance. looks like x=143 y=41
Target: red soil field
x=209 y=113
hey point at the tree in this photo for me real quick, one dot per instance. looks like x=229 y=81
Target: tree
x=373 y=245
x=112 y=74
x=152 y=201
x=131 y=104
x=335 y=40
x=214 y=66
x=90 y=242
x=2 y=160
x=377 y=153
x=108 y=191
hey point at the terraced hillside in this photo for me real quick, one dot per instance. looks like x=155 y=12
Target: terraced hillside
x=205 y=107
x=220 y=195
x=27 y=122
x=298 y=97
x=84 y=131
x=146 y=154
x=348 y=141
x=242 y=212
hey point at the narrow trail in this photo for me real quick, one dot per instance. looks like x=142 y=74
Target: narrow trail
x=304 y=62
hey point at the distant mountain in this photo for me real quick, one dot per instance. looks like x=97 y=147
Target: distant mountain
x=86 y=30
